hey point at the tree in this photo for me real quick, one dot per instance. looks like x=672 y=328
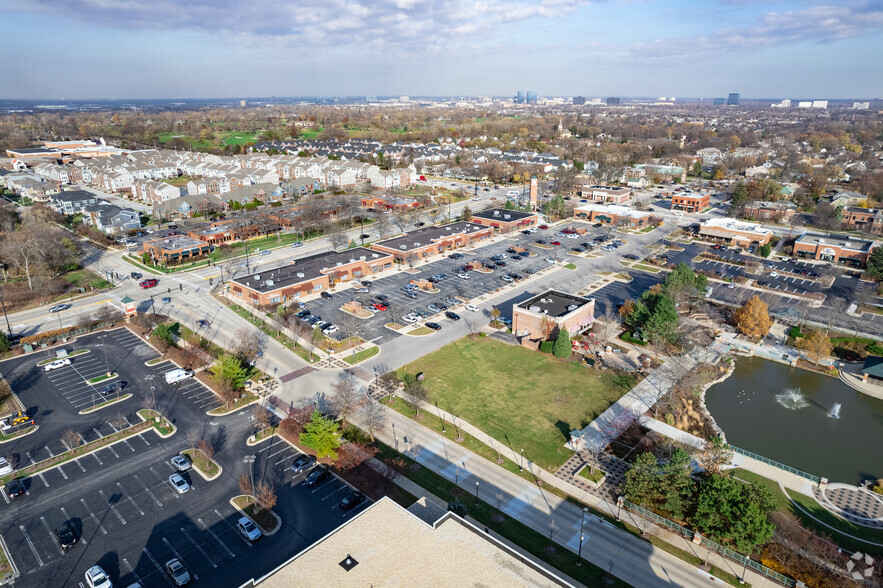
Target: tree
x=4 y=343
x=265 y=494
x=817 y=346
x=641 y=480
x=495 y=313
x=245 y=484
x=732 y=512
x=321 y=434
x=753 y=319
x=740 y=195
x=71 y=439
x=353 y=454
x=465 y=214
x=206 y=449
x=684 y=283
x=662 y=319
x=373 y=416
x=108 y=314
x=765 y=250
x=715 y=455
x=345 y=395
x=875 y=263
x=249 y=342
x=562 y=348
x=696 y=170
x=547 y=325
x=163 y=334
x=416 y=390
x=229 y=371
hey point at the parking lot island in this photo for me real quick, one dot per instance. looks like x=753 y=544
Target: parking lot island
x=268 y=521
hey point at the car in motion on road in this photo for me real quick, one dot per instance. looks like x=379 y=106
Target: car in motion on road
x=148 y=283
x=65 y=536
x=58 y=363
x=248 y=529
x=352 y=499
x=177 y=572
x=452 y=315
x=181 y=463
x=166 y=300
x=434 y=326
x=203 y=323
x=60 y=307
x=302 y=463
x=96 y=578
x=179 y=483
x=135 y=276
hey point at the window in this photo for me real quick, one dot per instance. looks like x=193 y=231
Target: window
x=275 y=300
x=317 y=287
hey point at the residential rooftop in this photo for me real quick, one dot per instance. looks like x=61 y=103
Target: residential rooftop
x=306 y=268
x=501 y=214
x=428 y=235
x=554 y=304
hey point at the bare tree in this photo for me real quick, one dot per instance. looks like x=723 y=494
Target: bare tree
x=71 y=439
x=395 y=312
x=345 y=395
x=245 y=484
x=265 y=494
x=108 y=314
x=260 y=417
x=193 y=437
x=206 y=449
x=339 y=240
x=348 y=323
x=381 y=222
x=119 y=422
x=373 y=416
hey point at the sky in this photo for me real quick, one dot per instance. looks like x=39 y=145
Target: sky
x=118 y=49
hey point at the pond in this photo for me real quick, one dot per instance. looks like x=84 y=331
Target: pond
x=785 y=414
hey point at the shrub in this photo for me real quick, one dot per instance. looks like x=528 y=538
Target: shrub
x=794 y=332
x=547 y=346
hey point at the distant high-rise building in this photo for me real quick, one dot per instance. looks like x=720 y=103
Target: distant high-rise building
x=804 y=104
x=861 y=105
x=820 y=104
x=242 y=103
x=612 y=101
x=519 y=97
x=733 y=99
x=531 y=97
x=370 y=99
x=785 y=103
x=579 y=100
x=718 y=101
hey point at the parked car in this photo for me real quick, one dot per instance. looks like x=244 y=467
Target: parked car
x=463 y=275
x=455 y=256
x=434 y=326
x=330 y=330
x=97 y=578
x=506 y=278
x=58 y=363
x=14 y=488
x=182 y=463
x=5 y=467
x=248 y=529
x=411 y=295
x=471 y=308
x=433 y=308
x=60 y=307
x=441 y=305
x=352 y=499
x=409 y=319
x=302 y=463
x=326 y=295
x=177 y=572
x=362 y=290
x=179 y=483
x=316 y=476
x=320 y=324
x=110 y=388
x=65 y=536
x=382 y=298
x=452 y=315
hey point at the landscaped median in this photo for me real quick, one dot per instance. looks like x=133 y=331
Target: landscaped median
x=103 y=378
x=209 y=469
x=362 y=355
x=151 y=419
x=4 y=438
x=265 y=518
x=106 y=403
x=68 y=356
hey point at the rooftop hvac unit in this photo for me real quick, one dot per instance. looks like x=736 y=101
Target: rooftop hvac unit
x=496 y=213
x=300 y=274
x=572 y=307
x=403 y=247
x=507 y=216
x=362 y=258
x=338 y=264
x=374 y=255
x=257 y=277
x=269 y=283
x=534 y=308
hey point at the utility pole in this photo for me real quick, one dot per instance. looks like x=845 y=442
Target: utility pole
x=8 y=328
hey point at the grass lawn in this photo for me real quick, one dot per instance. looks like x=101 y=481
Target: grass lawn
x=261 y=516
x=570 y=266
x=594 y=476
x=83 y=278
x=208 y=467
x=102 y=378
x=647 y=268
x=520 y=397
x=178 y=181
x=362 y=355
x=420 y=331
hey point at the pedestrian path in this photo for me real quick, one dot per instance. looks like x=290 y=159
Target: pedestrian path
x=857 y=505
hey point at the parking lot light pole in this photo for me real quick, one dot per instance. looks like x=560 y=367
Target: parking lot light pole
x=521 y=466
x=476 y=494
x=8 y=328
x=249 y=459
x=579 y=553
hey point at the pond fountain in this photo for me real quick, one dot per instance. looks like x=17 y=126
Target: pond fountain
x=806 y=420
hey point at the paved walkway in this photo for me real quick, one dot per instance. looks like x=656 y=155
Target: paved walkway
x=857 y=505
x=855 y=381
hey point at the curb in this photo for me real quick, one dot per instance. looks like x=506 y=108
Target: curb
x=199 y=471
x=33 y=429
x=251 y=443
x=232 y=411
x=264 y=532
x=106 y=404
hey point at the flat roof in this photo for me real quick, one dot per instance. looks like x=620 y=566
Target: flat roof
x=616 y=209
x=732 y=224
x=500 y=214
x=175 y=243
x=387 y=545
x=836 y=241
x=306 y=268
x=429 y=235
x=554 y=304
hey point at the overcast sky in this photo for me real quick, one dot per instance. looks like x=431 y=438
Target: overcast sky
x=226 y=48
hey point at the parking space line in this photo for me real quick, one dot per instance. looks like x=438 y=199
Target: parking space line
x=218 y=539
x=95 y=455
x=240 y=535
x=77 y=461
x=6 y=498
x=343 y=487
x=46 y=447
x=126 y=442
x=112 y=507
x=180 y=559
x=130 y=499
x=132 y=571
x=199 y=547
x=31 y=545
x=67 y=518
x=97 y=433
x=61 y=471
x=52 y=536
x=44 y=479
x=158 y=569
x=143 y=439
x=115 y=454
x=143 y=485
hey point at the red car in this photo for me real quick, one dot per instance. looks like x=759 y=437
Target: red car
x=555 y=243
x=378 y=306
x=544 y=226
x=149 y=283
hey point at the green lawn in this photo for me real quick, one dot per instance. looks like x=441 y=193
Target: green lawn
x=520 y=397
x=362 y=355
x=83 y=278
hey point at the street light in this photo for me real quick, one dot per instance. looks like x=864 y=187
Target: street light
x=476 y=494
x=8 y=328
x=444 y=430
x=104 y=349
x=579 y=553
x=249 y=459
x=521 y=465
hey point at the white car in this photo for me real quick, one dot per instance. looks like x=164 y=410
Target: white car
x=181 y=463
x=471 y=307
x=58 y=363
x=177 y=572
x=678 y=213
x=179 y=483
x=96 y=578
x=572 y=236
x=410 y=319
x=463 y=275
x=774 y=274
x=248 y=529
x=550 y=260
x=330 y=330
x=5 y=467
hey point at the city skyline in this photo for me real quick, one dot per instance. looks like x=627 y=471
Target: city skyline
x=90 y=50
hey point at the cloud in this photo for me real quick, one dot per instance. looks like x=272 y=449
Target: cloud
x=817 y=24
x=320 y=25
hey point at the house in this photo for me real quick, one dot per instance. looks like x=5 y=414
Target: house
x=777 y=211
x=72 y=201
x=541 y=317
x=308 y=275
x=860 y=219
x=110 y=218
x=430 y=241
x=688 y=202
x=503 y=220
x=638 y=183
x=604 y=194
x=265 y=193
x=614 y=215
x=735 y=232
x=301 y=186
x=664 y=173
x=187 y=206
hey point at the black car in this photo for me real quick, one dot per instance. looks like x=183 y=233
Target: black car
x=352 y=499
x=441 y=305
x=515 y=276
x=528 y=271
x=110 y=388
x=302 y=313
x=14 y=488
x=367 y=283
x=433 y=326
x=500 y=263
x=382 y=298
x=421 y=223
x=326 y=295
x=456 y=256
x=316 y=476
x=516 y=258
x=586 y=245
x=302 y=463
x=66 y=536
x=452 y=315
x=135 y=276
x=541 y=241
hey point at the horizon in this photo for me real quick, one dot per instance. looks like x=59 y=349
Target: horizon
x=160 y=49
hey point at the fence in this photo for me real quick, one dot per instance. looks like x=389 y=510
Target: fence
x=775 y=464
x=742 y=560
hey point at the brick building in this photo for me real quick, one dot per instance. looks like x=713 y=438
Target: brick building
x=836 y=248
x=613 y=215
x=393 y=203
x=429 y=241
x=862 y=219
x=174 y=250
x=690 y=202
x=308 y=275
x=777 y=211
x=604 y=194
x=505 y=221
x=566 y=311
x=735 y=232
